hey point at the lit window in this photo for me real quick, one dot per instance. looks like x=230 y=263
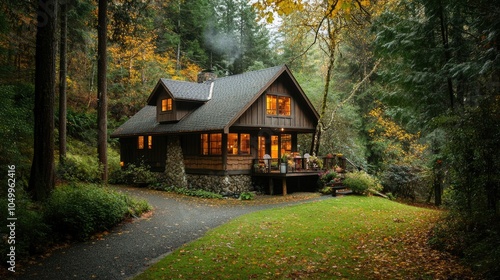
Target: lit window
x=271 y=104
x=278 y=105
x=245 y=144
x=204 y=144
x=140 y=142
x=232 y=144
x=216 y=144
x=150 y=142
x=286 y=144
x=211 y=144
x=166 y=104
x=284 y=106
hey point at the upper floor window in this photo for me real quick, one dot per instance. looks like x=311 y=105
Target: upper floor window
x=166 y=104
x=278 y=105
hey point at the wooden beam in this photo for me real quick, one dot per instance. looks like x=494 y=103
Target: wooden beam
x=271 y=186
x=283 y=184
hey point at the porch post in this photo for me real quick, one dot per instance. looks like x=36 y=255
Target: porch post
x=283 y=184
x=271 y=186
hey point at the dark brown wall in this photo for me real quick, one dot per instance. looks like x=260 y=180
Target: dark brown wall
x=155 y=157
x=300 y=118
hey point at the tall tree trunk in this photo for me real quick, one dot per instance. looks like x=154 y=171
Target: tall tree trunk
x=41 y=180
x=447 y=53
x=62 y=84
x=326 y=89
x=102 y=102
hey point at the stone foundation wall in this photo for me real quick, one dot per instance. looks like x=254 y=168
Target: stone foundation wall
x=228 y=184
x=175 y=171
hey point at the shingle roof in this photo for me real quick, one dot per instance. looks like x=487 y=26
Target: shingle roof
x=182 y=90
x=231 y=96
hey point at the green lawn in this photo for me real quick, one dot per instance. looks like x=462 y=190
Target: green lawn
x=351 y=237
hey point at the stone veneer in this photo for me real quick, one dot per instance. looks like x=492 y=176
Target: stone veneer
x=175 y=172
x=228 y=184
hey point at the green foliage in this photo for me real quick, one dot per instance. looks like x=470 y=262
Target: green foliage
x=475 y=239
x=135 y=174
x=186 y=191
x=78 y=167
x=82 y=126
x=247 y=196
x=327 y=176
x=16 y=130
x=361 y=182
x=32 y=234
x=80 y=210
x=404 y=181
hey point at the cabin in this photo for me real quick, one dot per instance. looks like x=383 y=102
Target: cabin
x=223 y=134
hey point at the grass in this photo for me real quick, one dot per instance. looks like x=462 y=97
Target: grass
x=352 y=237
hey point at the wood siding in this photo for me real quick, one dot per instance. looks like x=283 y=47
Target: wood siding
x=256 y=115
x=155 y=157
x=239 y=162
x=203 y=162
x=179 y=108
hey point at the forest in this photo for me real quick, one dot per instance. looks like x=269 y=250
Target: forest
x=406 y=89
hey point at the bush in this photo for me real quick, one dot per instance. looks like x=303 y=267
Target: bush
x=247 y=196
x=327 y=176
x=361 y=182
x=32 y=233
x=81 y=210
x=404 y=181
x=135 y=174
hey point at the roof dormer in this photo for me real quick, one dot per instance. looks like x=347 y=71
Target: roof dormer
x=176 y=99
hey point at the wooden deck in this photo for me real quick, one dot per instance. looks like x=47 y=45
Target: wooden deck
x=283 y=176
x=297 y=167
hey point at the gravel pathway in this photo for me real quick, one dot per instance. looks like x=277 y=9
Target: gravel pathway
x=131 y=247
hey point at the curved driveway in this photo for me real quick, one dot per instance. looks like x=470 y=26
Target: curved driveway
x=131 y=247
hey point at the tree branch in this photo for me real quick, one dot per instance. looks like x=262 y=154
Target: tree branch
x=355 y=88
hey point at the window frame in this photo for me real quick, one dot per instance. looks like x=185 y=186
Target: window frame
x=275 y=109
x=239 y=144
x=168 y=106
x=210 y=145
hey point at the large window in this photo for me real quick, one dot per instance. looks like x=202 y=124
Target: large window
x=286 y=144
x=166 y=104
x=278 y=105
x=271 y=104
x=238 y=144
x=211 y=144
x=284 y=106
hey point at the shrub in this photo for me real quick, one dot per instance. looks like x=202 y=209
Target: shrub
x=81 y=210
x=135 y=174
x=247 y=196
x=361 y=182
x=80 y=168
x=32 y=233
x=327 y=176
x=404 y=181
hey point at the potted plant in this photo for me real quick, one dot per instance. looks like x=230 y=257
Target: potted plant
x=283 y=164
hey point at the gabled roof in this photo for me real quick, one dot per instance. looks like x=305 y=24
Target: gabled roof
x=181 y=90
x=230 y=97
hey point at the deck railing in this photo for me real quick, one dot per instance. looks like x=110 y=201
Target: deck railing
x=297 y=164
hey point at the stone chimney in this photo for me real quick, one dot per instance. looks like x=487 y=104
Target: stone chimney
x=206 y=75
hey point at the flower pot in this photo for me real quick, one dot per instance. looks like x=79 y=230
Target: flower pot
x=283 y=167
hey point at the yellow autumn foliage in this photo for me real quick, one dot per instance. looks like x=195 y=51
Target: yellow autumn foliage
x=400 y=145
